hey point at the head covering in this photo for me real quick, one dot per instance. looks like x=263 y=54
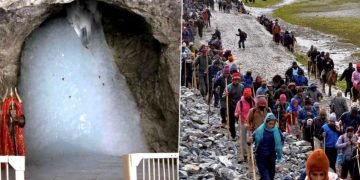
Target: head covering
x=309 y=122
x=332 y=117
x=236 y=76
x=317 y=161
x=247 y=92
x=233 y=68
x=316 y=104
x=226 y=69
x=282 y=98
x=291 y=108
x=260 y=100
x=292 y=84
x=259 y=133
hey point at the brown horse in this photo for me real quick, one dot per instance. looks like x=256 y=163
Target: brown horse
x=331 y=78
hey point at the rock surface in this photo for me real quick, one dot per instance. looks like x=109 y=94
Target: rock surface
x=159 y=107
x=206 y=153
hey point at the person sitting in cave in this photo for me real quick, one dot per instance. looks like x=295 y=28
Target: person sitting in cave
x=13 y=122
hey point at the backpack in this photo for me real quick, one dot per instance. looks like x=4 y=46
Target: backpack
x=251 y=105
x=243 y=34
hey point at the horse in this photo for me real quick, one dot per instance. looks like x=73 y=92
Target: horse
x=331 y=78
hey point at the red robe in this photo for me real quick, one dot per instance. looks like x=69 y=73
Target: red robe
x=7 y=147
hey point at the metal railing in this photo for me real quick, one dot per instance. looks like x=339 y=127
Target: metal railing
x=151 y=166
x=17 y=163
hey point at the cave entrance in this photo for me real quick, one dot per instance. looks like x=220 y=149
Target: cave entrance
x=81 y=114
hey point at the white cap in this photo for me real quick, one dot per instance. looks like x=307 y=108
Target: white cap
x=309 y=122
x=332 y=117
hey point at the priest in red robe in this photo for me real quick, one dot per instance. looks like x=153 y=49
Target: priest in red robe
x=12 y=124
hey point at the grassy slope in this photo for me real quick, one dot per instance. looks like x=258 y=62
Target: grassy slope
x=348 y=29
x=261 y=3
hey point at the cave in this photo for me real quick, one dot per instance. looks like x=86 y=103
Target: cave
x=91 y=95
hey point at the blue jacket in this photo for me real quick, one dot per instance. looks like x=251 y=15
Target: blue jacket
x=267 y=146
x=185 y=34
x=331 y=136
x=348 y=120
x=261 y=91
x=315 y=112
x=248 y=80
x=213 y=70
x=300 y=80
x=304 y=116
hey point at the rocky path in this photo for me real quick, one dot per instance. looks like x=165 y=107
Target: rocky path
x=262 y=56
x=205 y=152
x=340 y=51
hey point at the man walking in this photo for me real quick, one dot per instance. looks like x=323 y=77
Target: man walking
x=243 y=37
x=235 y=90
x=347 y=75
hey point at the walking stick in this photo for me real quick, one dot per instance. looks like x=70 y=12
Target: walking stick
x=241 y=150
x=253 y=162
x=324 y=144
x=208 y=85
x=309 y=68
x=185 y=73
x=278 y=117
x=254 y=94
x=316 y=70
x=357 y=154
x=227 y=109
x=192 y=79
x=196 y=78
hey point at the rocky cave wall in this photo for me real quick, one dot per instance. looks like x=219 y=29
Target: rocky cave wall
x=152 y=74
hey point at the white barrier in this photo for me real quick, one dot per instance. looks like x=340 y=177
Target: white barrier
x=17 y=163
x=151 y=166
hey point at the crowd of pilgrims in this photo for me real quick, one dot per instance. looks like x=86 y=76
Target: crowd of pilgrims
x=264 y=110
